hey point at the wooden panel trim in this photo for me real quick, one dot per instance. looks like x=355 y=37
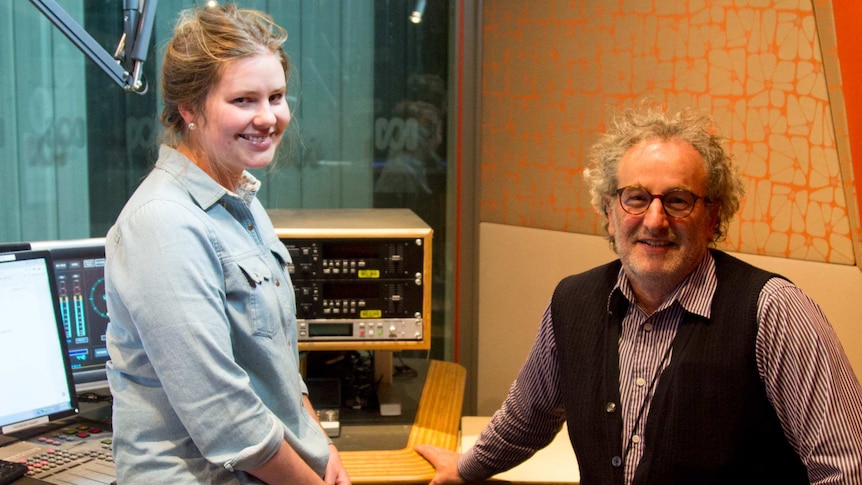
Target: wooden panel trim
x=437 y=421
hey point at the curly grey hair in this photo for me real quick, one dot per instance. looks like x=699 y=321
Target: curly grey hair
x=724 y=186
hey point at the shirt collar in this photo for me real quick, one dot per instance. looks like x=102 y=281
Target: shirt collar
x=694 y=294
x=248 y=187
x=203 y=189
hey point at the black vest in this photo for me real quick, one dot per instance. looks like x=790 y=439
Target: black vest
x=710 y=421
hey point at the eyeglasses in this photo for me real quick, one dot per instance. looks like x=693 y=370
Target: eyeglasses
x=677 y=203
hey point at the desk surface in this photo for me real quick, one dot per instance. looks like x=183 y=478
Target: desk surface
x=555 y=463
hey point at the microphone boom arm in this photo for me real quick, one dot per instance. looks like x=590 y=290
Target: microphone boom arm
x=125 y=67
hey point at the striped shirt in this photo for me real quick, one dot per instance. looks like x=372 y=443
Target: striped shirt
x=807 y=376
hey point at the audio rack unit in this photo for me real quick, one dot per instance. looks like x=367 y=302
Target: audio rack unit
x=362 y=277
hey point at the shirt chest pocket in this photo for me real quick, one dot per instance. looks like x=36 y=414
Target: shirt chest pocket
x=254 y=292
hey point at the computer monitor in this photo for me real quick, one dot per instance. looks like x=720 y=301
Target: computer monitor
x=36 y=380
x=79 y=267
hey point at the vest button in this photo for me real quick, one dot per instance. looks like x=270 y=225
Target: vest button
x=616 y=462
x=611 y=407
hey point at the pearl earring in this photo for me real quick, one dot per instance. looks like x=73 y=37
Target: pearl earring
x=192 y=126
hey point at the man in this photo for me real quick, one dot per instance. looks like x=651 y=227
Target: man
x=676 y=363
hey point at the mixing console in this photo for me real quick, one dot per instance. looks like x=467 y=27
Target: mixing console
x=79 y=453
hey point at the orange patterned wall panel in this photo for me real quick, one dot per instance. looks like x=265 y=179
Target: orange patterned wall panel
x=553 y=71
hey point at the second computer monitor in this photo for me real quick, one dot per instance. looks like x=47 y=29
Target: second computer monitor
x=79 y=268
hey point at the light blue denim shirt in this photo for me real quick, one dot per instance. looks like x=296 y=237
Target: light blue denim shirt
x=204 y=365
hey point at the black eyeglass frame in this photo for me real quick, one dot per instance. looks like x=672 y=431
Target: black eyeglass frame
x=660 y=197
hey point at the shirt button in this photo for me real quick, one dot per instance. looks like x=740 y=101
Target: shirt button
x=616 y=462
x=647 y=327
x=251 y=227
x=636 y=439
x=640 y=381
x=277 y=283
x=611 y=407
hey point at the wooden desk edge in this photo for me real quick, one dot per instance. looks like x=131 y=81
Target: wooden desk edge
x=437 y=422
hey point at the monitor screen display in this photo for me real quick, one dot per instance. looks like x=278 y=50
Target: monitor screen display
x=34 y=372
x=79 y=267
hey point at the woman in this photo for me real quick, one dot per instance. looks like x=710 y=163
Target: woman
x=204 y=365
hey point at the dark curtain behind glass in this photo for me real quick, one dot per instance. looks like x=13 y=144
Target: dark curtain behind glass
x=410 y=163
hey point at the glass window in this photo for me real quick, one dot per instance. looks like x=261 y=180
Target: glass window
x=368 y=89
